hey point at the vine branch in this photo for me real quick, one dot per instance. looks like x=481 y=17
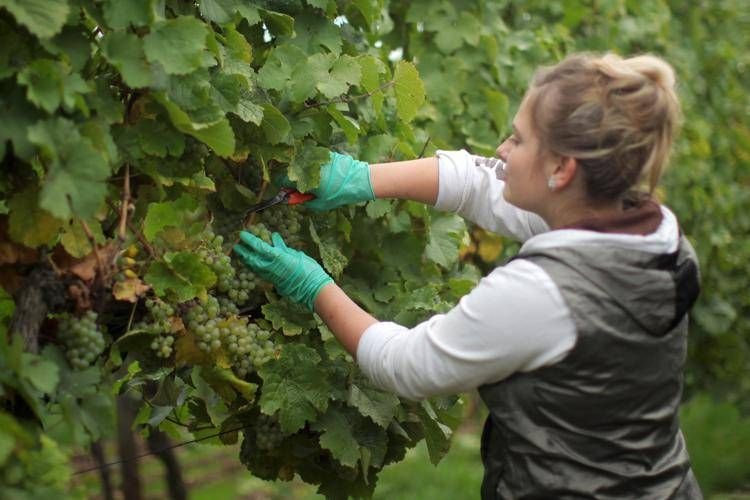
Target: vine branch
x=92 y=241
x=125 y=204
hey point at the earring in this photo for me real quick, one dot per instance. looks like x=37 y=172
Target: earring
x=551 y=183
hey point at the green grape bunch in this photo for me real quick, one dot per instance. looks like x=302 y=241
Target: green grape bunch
x=212 y=253
x=239 y=289
x=233 y=278
x=268 y=433
x=82 y=339
x=285 y=220
x=158 y=322
x=261 y=231
x=247 y=345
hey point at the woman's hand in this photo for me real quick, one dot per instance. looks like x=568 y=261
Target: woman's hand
x=343 y=180
x=294 y=274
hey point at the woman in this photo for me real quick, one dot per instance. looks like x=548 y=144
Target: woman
x=577 y=345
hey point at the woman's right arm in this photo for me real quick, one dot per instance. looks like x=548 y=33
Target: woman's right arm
x=453 y=182
x=406 y=180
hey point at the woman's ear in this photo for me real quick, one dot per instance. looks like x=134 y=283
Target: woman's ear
x=564 y=171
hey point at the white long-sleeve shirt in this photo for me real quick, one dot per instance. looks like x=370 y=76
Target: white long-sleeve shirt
x=515 y=319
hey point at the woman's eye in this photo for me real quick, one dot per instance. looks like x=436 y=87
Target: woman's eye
x=513 y=139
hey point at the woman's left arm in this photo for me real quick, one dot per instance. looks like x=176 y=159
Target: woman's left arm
x=343 y=316
x=514 y=320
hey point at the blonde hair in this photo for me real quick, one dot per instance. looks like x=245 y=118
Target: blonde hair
x=616 y=116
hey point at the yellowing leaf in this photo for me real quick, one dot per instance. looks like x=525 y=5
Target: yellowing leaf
x=130 y=290
x=74 y=238
x=187 y=352
x=29 y=224
x=490 y=246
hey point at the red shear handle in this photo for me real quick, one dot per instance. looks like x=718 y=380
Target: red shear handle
x=295 y=197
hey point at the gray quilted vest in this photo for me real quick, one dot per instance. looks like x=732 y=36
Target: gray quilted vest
x=603 y=422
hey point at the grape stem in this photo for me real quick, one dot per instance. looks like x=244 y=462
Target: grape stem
x=350 y=98
x=137 y=233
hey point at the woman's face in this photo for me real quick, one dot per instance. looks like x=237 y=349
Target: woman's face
x=525 y=180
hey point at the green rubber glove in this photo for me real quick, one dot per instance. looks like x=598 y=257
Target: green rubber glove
x=293 y=273
x=343 y=180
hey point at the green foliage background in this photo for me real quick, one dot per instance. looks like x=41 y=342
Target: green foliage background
x=203 y=103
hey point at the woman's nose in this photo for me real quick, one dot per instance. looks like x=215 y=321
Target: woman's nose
x=503 y=150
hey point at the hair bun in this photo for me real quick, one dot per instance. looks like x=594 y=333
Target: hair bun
x=653 y=68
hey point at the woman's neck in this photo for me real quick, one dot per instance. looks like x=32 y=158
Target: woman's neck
x=567 y=212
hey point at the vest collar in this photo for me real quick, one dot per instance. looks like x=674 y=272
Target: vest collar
x=649 y=228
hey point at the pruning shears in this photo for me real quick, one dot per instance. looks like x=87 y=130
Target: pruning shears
x=287 y=196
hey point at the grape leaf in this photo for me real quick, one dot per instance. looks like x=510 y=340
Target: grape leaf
x=368 y=9
x=321 y=4
x=247 y=109
x=279 y=66
x=249 y=12
x=44 y=18
x=169 y=213
x=378 y=208
x=16 y=114
x=29 y=224
x=76 y=242
x=337 y=436
x=219 y=11
x=42 y=374
x=77 y=172
x=436 y=434
x=49 y=84
x=379 y=405
x=371 y=69
x=177 y=44
x=304 y=169
x=348 y=125
x=497 y=106
x=349 y=436
x=218 y=135
x=123 y=13
x=333 y=260
x=446 y=233
x=222 y=379
x=275 y=125
x=215 y=408
x=296 y=386
x=182 y=273
x=292 y=319
x=344 y=72
x=151 y=138
x=278 y=24
x=236 y=53
x=225 y=90
x=315 y=31
x=409 y=90
x=125 y=51
x=193 y=94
